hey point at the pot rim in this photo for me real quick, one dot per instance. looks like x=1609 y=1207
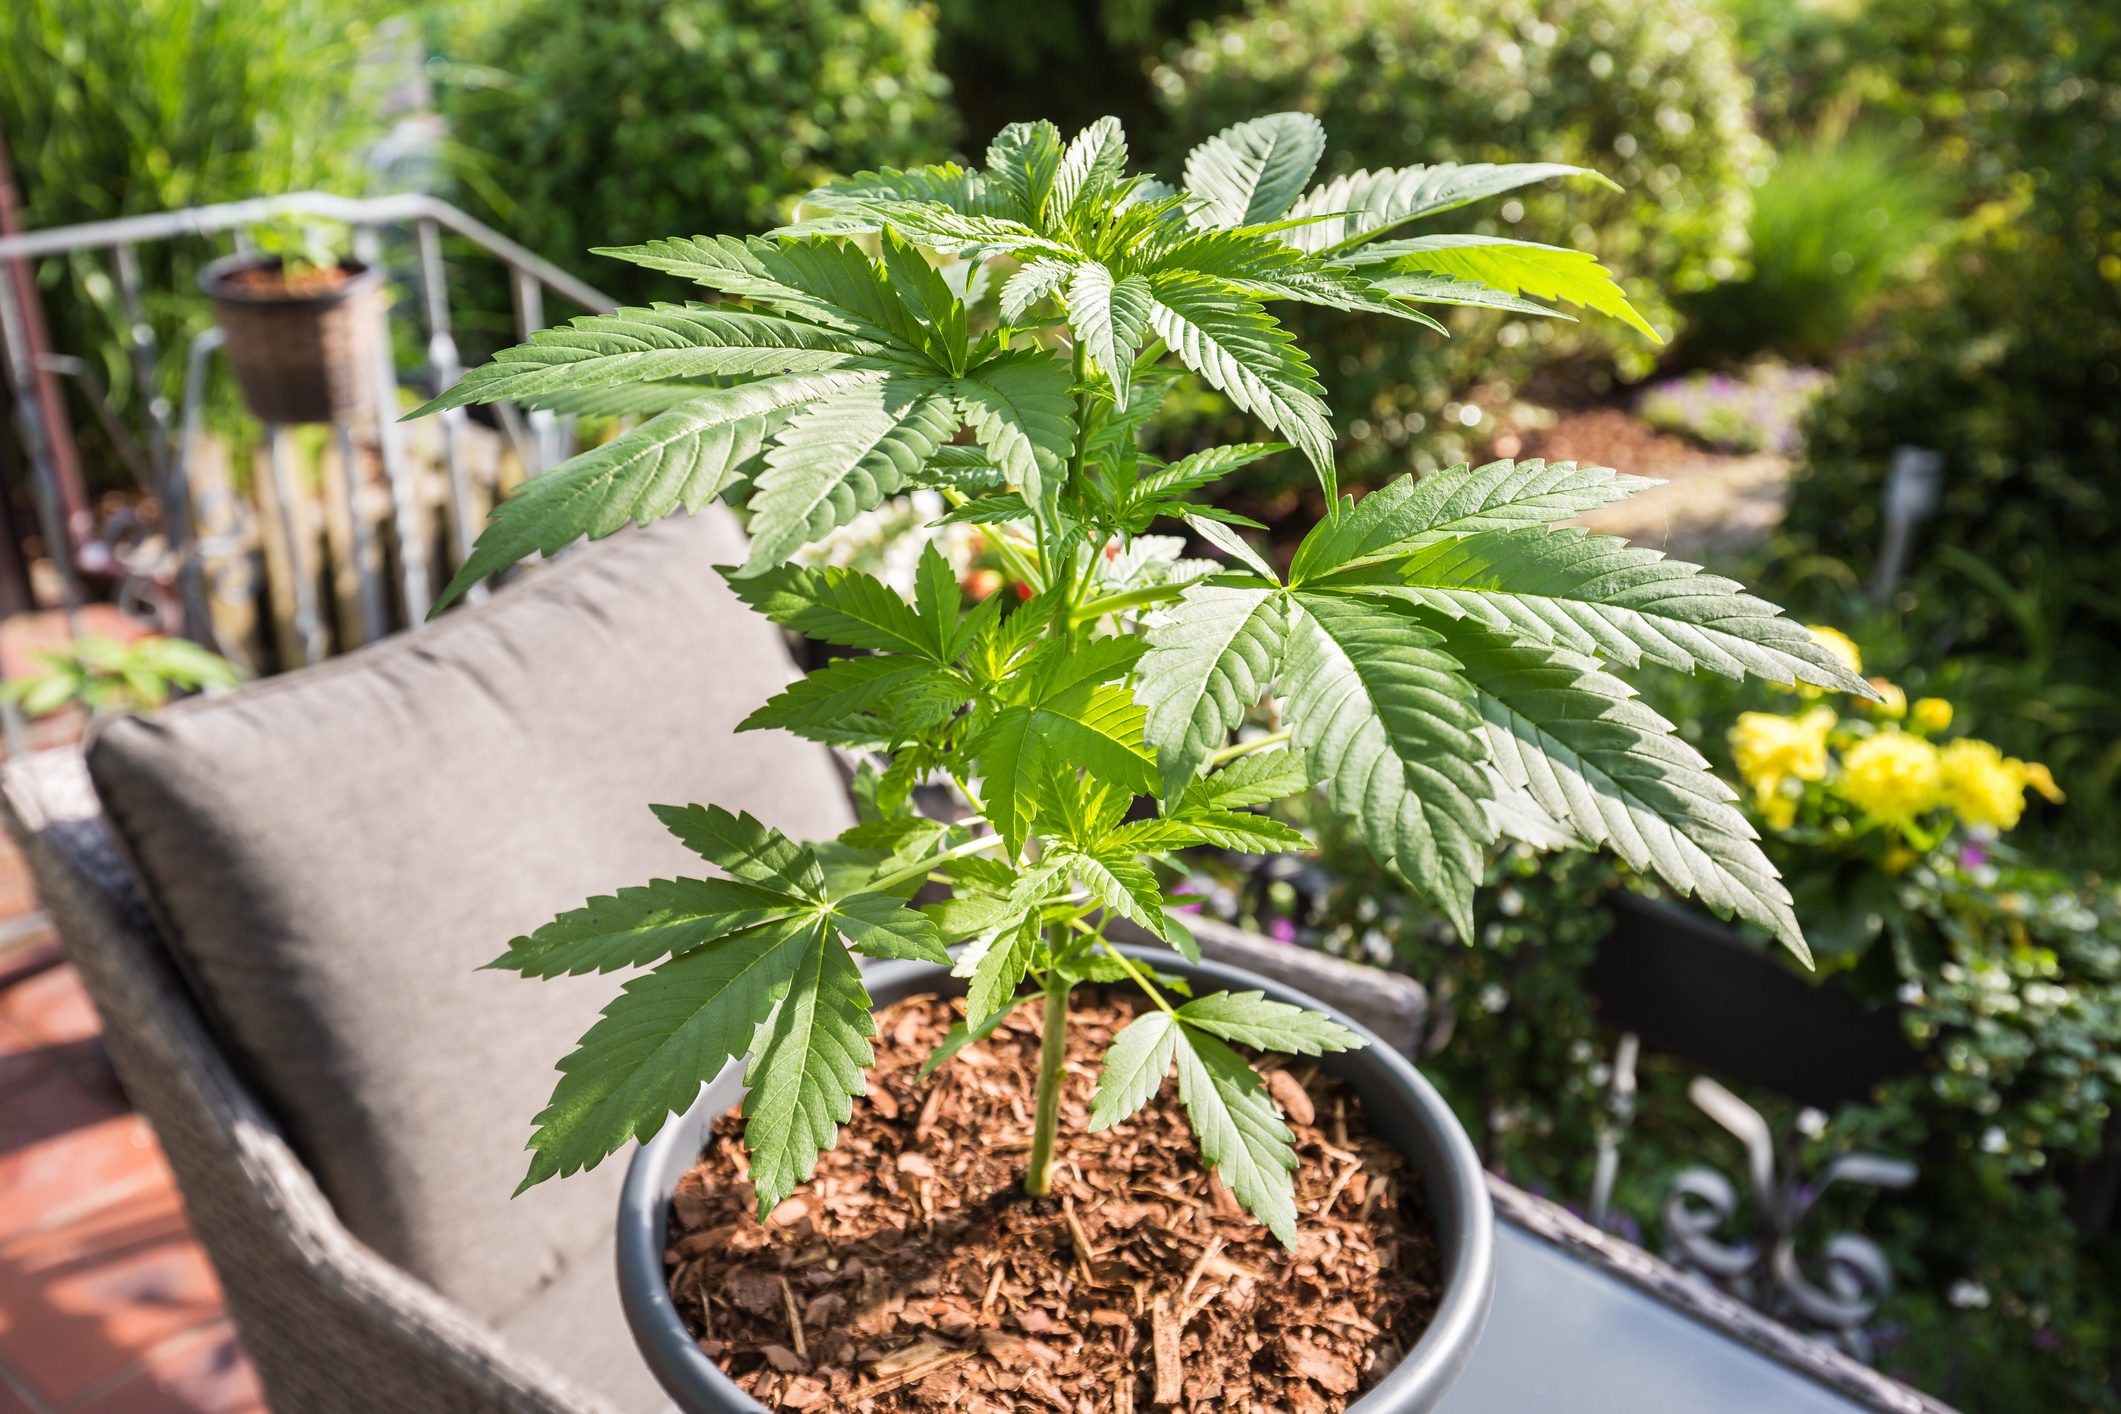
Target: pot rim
x=214 y=280
x=1456 y=1188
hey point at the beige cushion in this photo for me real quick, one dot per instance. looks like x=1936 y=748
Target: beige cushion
x=335 y=852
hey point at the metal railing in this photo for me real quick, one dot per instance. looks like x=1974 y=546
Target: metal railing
x=158 y=451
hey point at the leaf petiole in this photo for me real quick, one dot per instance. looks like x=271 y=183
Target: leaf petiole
x=920 y=868
x=1246 y=748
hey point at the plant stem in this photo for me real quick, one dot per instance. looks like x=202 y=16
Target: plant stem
x=1140 y=981
x=1126 y=599
x=1246 y=748
x=1052 y=1058
x=915 y=871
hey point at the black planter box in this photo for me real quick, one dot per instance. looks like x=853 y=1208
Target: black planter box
x=1691 y=987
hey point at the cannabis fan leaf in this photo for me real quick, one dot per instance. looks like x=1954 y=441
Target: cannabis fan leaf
x=1438 y=657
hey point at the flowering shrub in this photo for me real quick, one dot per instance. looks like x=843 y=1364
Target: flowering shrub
x=2007 y=978
x=1883 y=779
x=1760 y=410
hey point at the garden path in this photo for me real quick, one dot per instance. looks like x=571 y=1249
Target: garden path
x=1713 y=508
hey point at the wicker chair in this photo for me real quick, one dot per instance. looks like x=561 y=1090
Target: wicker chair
x=339 y=1278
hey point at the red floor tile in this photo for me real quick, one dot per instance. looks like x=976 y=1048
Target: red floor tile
x=51 y=1008
x=64 y=1150
x=200 y=1372
x=86 y=1300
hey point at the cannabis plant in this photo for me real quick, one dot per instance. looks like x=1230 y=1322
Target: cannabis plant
x=1436 y=652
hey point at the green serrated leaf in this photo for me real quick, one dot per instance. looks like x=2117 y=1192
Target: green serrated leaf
x=843 y=688
x=843 y=455
x=886 y=926
x=648 y=345
x=1133 y=1069
x=1119 y=881
x=1095 y=160
x=1111 y=318
x=1032 y=282
x=1254 y=779
x=1390 y=726
x=1250 y=1019
x=1211 y=658
x=1517 y=267
x=1190 y=825
x=1001 y=970
x=1239 y=1129
x=1020 y=406
x=669 y=1032
x=638 y=926
x=1597 y=594
x=807 y=1060
x=1576 y=740
x=1232 y=342
x=1367 y=204
x=834 y=605
x=682 y=459
x=744 y=847
x=1251 y=172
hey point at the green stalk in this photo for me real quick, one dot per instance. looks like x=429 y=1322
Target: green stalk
x=915 y=871
x=1246 y=748
x=1052 y=1058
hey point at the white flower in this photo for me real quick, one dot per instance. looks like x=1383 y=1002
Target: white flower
x=1992 y=1140
x=1811 y=1123
x=1494 y=997
x=1965 y=1294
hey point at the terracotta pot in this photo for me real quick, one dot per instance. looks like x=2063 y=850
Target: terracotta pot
x=1397 y=1102
x=298 y=357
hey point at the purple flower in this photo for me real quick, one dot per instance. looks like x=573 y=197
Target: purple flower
x=1972 y=855
x=2046 y=1339
x=1282 y=930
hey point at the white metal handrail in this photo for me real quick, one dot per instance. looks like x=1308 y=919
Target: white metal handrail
x=169 y=430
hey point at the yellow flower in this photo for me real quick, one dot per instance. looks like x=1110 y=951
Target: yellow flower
x=1931 y=714
x=1986 y=789
x=1779 y=811
x=1834 y=641
x=1892 y=777
x=1891 y=703
x=1770 y=749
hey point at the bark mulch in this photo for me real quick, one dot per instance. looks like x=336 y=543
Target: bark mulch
x=910 y=1274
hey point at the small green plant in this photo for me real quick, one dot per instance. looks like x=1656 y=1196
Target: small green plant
x=101 y=675
x=303 y=246
x=1435 y=645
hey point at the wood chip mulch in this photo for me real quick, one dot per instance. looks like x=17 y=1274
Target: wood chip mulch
x=911 y=1275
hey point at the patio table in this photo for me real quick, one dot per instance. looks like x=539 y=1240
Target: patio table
x=1587 y=1324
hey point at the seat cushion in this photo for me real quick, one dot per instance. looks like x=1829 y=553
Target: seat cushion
x=575 y=1326
x=334 y=853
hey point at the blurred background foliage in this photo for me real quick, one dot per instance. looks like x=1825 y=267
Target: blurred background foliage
x=121 y=107
x=586 y=125
x=1863 y=224
x=1647 y=91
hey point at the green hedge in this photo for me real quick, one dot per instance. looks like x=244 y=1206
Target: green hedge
x=2011 y=369
x=1647 y=91
x=122 y=107
x=627 y=120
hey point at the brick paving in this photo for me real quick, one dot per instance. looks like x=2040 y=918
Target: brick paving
x=107 y=1303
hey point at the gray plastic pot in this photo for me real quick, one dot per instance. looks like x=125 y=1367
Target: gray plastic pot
x=1397 y=1103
